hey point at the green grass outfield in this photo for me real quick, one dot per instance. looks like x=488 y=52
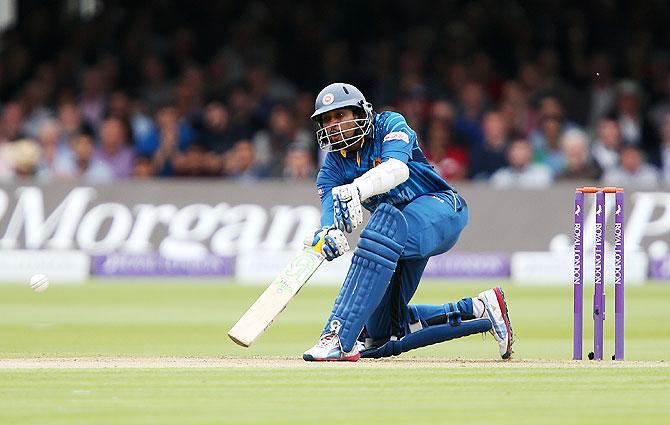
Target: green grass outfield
x=158 y=353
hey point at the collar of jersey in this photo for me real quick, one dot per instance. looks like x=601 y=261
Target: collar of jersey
x=343 y=152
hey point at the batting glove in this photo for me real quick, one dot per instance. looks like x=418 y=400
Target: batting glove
x=347 y=207
x=328 y=241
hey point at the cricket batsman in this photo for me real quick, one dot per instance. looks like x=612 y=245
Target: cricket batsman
x=374 y=161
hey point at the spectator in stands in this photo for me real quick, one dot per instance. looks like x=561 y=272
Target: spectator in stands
x=92 y=101
x=35 y=109
x=70 y=120
x=578 y=163
x=189 y=94
x=471 y=109
x=545 y=140
x=442 y=151
x=299 y=164
x=267 y=90
x=120 y=106
x=23 y=157
x=531 y=79
x=114 y=149
x=190 y=163
x=241 y=164
x=57 y=159
x=244 y=118
x=605 y=148
x=483 y=69
x=214 y=137
x=413 y=101
x=521 y=172
x=303 y=108
x=143 y=168
x=11 y=124
x=632 y=170
x=155 y=90
x=213 y=129
x=87 y=167
x=122 y=63
x=169 y=137
x=490 y=157
x=514 y=107
x=443 y=110
x=273 y=143
x=635 y=128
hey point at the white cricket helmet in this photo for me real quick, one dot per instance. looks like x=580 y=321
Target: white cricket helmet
x=336 y=96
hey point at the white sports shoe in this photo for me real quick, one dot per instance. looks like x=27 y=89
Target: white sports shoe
x=328 y=349
x=496 y=312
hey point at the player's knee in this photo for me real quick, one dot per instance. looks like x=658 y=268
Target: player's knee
x=384 y=238
x=387 y=223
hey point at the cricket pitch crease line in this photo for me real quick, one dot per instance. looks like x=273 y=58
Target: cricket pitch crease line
x=297 y=363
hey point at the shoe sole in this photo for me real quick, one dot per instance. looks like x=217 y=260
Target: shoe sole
x=500 y=295
x=353 y=358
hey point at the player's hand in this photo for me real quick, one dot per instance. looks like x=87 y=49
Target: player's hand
x=328 y=241
x=347 y=206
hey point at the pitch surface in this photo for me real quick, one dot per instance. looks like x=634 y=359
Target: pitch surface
x=141 y=353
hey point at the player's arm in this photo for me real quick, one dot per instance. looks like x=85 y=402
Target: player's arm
x=396 y=152
x=382 y=178
x=347 y=198
x=330 y=175
x=327 y=217
x=327 y=240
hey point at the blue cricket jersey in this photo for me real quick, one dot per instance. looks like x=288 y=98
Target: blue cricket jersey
x=391 y=138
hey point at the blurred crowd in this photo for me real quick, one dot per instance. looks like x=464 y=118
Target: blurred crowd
x=519 y=94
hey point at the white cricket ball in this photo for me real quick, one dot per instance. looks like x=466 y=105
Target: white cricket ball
x=39 y=282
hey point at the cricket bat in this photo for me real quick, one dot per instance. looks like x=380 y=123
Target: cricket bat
x=276 y=297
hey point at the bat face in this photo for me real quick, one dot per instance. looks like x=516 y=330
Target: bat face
x=276 y=297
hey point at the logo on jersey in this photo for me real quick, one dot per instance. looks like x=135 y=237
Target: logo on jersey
x=328 y=98
x=319 y=190
x=335 y=326
x=397 y=135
